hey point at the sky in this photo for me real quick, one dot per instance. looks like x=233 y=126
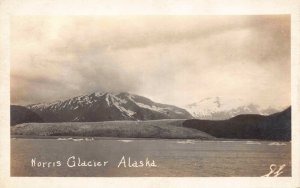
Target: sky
x=170 y=59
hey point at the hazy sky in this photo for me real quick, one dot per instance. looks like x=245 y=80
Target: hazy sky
x=170 y=59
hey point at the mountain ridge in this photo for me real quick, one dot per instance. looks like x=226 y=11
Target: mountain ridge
x=218 y=108
x=107 y=106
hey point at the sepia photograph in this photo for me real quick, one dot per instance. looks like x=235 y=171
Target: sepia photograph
x=150 y=96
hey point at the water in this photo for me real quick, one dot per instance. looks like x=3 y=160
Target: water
x=181 y=158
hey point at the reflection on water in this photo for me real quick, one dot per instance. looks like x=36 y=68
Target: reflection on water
x=171 y=157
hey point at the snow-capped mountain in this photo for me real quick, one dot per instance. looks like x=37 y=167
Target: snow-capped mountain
x=216 y=108
x=107 y=106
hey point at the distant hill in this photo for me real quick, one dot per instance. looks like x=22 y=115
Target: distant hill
x=20 y=114
x=220 y=108
x=273 y=127
x=107 y=106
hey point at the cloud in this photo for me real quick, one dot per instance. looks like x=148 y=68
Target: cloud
x=171 y=59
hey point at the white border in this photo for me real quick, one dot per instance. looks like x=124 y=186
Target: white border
x=145 y=7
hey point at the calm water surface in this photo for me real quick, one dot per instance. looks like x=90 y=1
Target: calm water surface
x=172 y=157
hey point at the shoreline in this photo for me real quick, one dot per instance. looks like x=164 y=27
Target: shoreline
x=141 y=138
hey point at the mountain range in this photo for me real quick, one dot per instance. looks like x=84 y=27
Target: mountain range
x=218 y=108
x=110 y=106
x=242 y=122
x=107 y=106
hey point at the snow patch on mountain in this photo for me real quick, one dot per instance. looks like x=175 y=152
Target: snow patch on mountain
x=154 y=108
x=118 y=102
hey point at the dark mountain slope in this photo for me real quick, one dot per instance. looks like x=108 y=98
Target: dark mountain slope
x=273 y=127
x=20 y=114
